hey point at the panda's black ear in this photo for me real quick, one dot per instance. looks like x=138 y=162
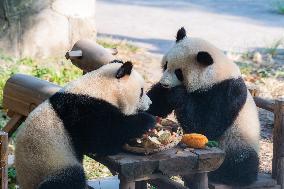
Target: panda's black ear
x=180 y=34
x=125 y=69
x=204 y=58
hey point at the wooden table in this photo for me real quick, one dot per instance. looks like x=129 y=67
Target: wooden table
x=134 y=170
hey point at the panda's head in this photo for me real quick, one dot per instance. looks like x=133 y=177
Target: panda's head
x=196 y=64
x=117 y=83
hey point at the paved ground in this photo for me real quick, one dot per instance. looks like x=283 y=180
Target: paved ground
x=230 y=24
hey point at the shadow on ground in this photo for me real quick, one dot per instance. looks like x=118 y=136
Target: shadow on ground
x=260 y=11
x=159 y=45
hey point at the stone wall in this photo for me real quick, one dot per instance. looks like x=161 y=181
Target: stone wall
x=43 y=28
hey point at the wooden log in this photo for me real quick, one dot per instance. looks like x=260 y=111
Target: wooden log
x=13 y=124
x=254 y=90
x=264 y=104
x=278 y=143
x=88 y=55
x=4 y=159
x=22 y=93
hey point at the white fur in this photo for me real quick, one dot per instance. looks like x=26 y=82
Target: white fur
x=169 y=79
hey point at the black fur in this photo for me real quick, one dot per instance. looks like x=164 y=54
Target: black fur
x=164 y=100
x=179 y=74
x=72 y=177
x=165 y=66
x=204 y=58
x=125 y=69
x=208 y=112
x=240 y=167
x=181 y=34
x=116 y=61
x=96 y=126
x=211 y=112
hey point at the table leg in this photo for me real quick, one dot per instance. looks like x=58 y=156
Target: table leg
x=141 y=185
x=123 y=184
x=196 y=181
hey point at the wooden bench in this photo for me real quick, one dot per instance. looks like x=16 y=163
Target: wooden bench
x=134 y=171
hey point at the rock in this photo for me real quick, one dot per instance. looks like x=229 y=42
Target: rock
x=44 y=28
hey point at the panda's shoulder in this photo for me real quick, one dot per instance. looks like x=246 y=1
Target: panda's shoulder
x=67 y=104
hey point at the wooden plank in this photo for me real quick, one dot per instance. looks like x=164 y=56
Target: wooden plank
x=4 y=159
x=278 y=143
x=174 y=161
x=13 y=124
x=210 y=159
x=264 y=104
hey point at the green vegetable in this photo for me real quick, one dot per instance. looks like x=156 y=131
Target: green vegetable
x=212 y=143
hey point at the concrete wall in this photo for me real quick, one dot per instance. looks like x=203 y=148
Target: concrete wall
x=43 y=28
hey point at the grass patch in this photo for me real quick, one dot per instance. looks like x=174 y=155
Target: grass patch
x=121 y=45
x=272 y=49
x=94 y=169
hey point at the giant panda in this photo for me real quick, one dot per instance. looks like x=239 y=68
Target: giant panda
x=96 y=113
x=208 y=95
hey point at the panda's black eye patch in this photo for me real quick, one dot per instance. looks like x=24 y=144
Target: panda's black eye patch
x=179 y=74
x=141 y=94
x=165 y=66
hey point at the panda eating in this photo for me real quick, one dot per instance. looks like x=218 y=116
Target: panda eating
x=208 y=95
x=96 y=113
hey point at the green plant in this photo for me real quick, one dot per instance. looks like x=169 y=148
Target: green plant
x=122 y=45
x=272 y=49
x=12 y=178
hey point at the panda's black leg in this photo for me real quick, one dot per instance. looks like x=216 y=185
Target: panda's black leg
x=239 y=168
x=72 y=177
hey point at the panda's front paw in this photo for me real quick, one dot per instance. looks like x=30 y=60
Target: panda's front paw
x=142 y=123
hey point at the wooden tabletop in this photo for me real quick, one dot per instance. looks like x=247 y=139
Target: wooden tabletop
x=175 y=161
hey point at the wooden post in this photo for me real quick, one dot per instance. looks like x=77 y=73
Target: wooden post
x=141 y=185
x=196 y=181
x=4 y=159
x=13 y=124
x=124 y=184
x=278 y=143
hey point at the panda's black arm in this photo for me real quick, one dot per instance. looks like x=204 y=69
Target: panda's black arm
x=165 y=100
x=135 y=125
x=213 y=111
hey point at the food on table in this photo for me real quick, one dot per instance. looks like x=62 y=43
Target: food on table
x=194 y=140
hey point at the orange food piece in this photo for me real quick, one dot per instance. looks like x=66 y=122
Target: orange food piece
x=194 y=140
